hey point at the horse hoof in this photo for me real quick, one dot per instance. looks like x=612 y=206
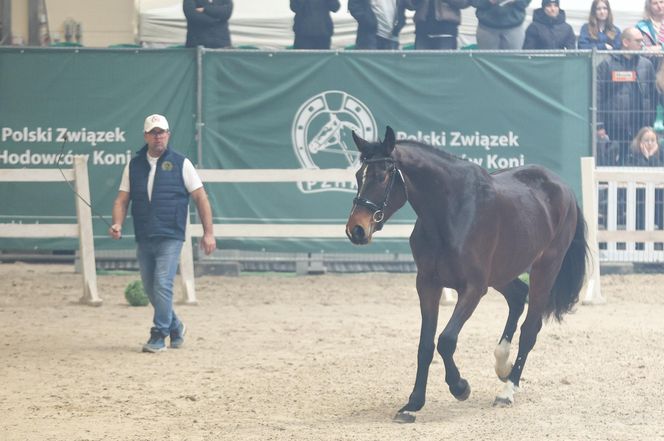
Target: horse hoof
x=404 y=418
x=502 y=402
x=465 y=393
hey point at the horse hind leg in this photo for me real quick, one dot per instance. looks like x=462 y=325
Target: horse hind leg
x=515 y=293
x=542 y=277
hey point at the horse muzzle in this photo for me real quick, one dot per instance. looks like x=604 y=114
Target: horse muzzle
x=358 y=235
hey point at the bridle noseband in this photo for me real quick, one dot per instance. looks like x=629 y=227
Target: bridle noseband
x=378 y=210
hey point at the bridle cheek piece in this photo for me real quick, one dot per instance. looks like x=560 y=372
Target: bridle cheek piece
x=379 y=210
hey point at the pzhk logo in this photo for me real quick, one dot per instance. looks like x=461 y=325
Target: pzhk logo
x=322 y=138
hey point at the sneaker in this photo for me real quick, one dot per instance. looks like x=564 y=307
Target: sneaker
x=177 y=336
x=156 y=342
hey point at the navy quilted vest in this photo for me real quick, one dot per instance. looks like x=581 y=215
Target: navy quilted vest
x=166 y=214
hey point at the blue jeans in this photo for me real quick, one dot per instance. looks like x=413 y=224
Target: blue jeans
x=158 y=260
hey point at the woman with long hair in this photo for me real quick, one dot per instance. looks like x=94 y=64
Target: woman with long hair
x=652 y=26
x=600 y=32
x=644 y=149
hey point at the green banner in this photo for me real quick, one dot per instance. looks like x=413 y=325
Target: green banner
x=272 y=110
x=59 y=103
x=291 y=110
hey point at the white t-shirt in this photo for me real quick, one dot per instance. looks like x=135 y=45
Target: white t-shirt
x=385 y=12
x=191 y=179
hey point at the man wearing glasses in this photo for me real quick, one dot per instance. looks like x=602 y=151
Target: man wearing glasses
x=158 y=182
x=627 y=95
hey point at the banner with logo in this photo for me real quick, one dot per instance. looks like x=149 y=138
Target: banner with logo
x=272 y=110
x=60 y=103
x=291 y=110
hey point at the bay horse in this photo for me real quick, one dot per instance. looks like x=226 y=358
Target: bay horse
x=474 y=230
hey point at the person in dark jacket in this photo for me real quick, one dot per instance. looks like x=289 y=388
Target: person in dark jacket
x=501 y=23
x=600 y=32
x=549 y=30
x=158 y=182
x=312 y=24
x=378 y=22
x=437 y=22
x=207 y=23
x=627 y=93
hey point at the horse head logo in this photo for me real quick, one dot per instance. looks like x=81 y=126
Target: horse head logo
x=321 y=135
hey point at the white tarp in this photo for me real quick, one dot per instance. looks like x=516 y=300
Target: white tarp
x=268 y=23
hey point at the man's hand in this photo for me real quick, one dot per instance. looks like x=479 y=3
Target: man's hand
x=208 y=244
x=115 y=231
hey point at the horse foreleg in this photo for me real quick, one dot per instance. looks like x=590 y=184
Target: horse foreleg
x=447 y=342
x=429 y=293
x=515 y=293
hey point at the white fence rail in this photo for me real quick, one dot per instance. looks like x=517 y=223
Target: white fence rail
x=324 y=231
x=630 y=219
x=81 y=230
x=594 y=180
x=632 y=210
x=631 y=195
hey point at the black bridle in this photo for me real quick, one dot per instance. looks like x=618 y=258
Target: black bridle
x=378 y=210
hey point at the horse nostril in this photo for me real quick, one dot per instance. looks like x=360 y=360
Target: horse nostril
x=358 y=232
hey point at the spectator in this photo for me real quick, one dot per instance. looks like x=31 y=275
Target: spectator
x=207 y=23
x=437 y=22
x=158 y=182
x=645 y=150
x=607 y=152
x=500 y=23
x=313 y=25
x=378 y=22
x=549 y=30
x=652 y=27
x=600 y=32
x=627 y=96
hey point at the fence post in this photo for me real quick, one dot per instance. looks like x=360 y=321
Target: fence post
x=85 y=233
x=187 y=269
x=592 y=291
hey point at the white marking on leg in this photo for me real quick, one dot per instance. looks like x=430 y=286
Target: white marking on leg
x=506 y=396
x=502 y=354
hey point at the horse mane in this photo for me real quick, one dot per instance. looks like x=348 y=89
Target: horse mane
x=430 y=149
x=376 y=150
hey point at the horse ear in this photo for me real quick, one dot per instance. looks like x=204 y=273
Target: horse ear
x=359 y=142
x=389 y=140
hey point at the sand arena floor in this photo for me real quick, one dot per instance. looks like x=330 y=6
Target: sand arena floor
x=332 y=357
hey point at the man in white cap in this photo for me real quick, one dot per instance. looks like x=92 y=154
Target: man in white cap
x=158 y=182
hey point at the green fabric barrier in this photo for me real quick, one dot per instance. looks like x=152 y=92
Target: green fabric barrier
x=285 y=109
x=99 y=99
x=496 y=110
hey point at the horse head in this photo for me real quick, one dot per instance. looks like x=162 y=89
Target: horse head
x=376 y=200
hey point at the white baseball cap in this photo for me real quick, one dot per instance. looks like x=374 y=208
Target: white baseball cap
x=153 y=121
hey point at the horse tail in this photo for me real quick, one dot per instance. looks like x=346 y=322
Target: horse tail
x=570 y=278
